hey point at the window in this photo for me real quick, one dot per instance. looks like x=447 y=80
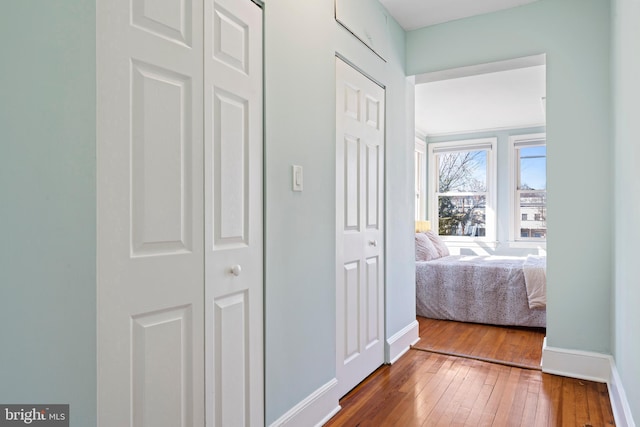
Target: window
x=529 y=186
x=462 y=188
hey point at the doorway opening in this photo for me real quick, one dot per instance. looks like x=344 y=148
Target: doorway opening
x=480 y=164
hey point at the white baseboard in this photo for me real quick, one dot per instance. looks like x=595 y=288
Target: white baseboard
x=401 y=342
x=584 y=365
x=590 y=366
x=315 y=410
x=619 y=402
x=322 y=404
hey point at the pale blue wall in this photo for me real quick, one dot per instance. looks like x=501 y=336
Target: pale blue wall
x=47 y=185
x=575 y=35
x=502 y=185
x=47 y=207
x=626 y=67
x=301 y=39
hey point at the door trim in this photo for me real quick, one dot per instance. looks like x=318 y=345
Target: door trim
x=367 y=75
x=364 y=349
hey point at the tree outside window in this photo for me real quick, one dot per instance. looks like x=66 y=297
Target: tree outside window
x=462 y=193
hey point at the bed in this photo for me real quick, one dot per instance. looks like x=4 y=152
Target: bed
x=498 y=290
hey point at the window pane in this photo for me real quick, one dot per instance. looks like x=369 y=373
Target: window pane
x=464 y=171
x=534 y=215
x=533 y=167
x=462 y=215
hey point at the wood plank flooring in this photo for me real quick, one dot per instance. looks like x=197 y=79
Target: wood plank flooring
x=431 y=389
x=516 y=346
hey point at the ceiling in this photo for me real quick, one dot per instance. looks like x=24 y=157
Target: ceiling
x=508 y=98
x=482 y=97
x=412 y=14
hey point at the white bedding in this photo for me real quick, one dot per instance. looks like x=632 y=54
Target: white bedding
x=535 y=279
x=481 y=289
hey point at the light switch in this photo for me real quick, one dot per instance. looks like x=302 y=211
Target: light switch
x=297 y=178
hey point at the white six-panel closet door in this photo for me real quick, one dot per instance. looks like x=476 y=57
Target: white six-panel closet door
x=360 y=108
x=233 y=213
x=158 y=101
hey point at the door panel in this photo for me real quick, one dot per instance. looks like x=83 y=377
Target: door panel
x=161 y=161
x=373 y=188
x=233 y=213
x=351 y=191
x=231 y=361
x=351 y=319
x=372 y=300
x=359 y=226
x=161 y=355
x=230 y=154
x=170 y=19
x=173 y=208
x=150 y=221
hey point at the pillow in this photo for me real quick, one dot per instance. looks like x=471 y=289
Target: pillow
x=439 y=244
x=425 y=250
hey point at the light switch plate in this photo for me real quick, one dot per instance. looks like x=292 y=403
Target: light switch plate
x=297 y=178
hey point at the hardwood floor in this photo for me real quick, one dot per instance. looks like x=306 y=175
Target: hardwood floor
x=516 y=346
x=432 y=389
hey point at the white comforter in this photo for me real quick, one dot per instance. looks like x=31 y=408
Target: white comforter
x=535 y=279
x=480 y=289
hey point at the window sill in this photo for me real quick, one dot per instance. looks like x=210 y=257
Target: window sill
x=470 y=243
x=489 y=247
x=526 y=244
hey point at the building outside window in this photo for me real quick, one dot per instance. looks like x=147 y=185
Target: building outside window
x=529 y=194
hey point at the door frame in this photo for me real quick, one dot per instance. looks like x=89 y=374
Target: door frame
x=385 y=344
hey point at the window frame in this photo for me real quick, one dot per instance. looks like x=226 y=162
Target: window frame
x=527 y=140
x=488 y=144
x=420 y=165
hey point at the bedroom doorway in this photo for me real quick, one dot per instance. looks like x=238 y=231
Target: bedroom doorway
x=360 y=130
x=481 y=155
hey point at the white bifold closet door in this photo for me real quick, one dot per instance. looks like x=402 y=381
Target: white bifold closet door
x=360 y=108
x=233 y=213
x=179 y=201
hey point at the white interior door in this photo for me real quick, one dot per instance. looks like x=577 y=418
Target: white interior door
x=360 y=107
x=150 y=258
x=172 y=208
x=233 y=215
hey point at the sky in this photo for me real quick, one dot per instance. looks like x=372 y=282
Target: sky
x=533 y=170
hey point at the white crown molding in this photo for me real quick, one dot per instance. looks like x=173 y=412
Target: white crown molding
x=474 y=70
x=487 y=130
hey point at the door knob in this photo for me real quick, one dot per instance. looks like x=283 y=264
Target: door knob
x=373 y=243
x=236 y=270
